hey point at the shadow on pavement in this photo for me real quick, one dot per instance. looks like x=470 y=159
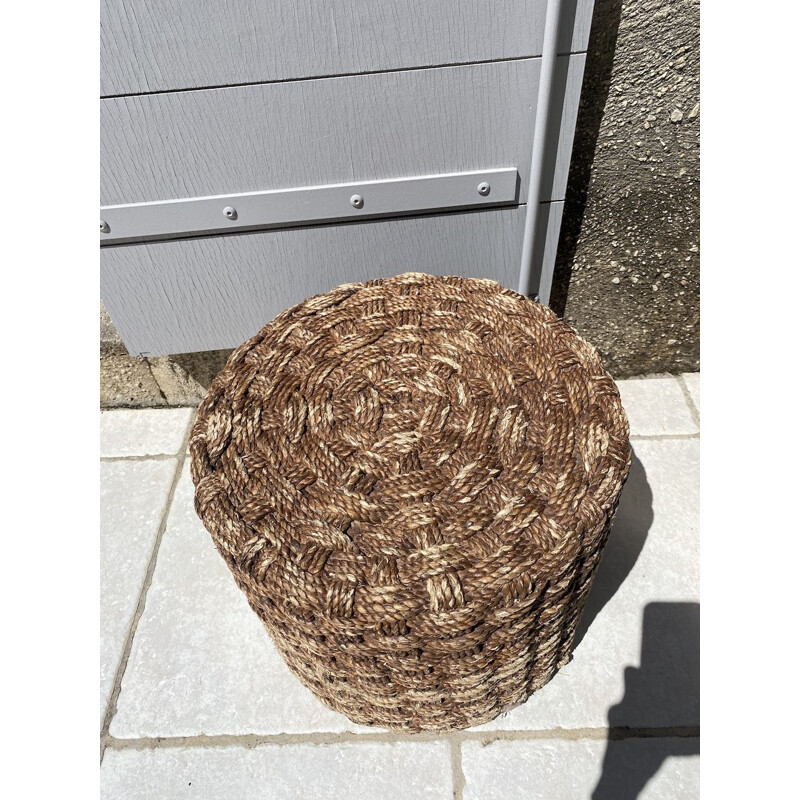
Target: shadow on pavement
x=667 y=682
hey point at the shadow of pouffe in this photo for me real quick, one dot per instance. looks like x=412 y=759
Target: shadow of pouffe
x=412 y=481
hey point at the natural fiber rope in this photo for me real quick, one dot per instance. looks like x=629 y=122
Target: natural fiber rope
x=412 y=481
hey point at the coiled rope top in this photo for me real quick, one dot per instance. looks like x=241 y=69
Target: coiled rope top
x=404 y=476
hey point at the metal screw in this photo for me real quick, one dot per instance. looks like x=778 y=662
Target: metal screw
x=484 y=188
x=229 y=212
x=104 y=227
x=357 y=201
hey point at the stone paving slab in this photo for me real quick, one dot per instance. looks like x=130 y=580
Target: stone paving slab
x=656 y=407
x=202 y=662
x=542 y=769
x=362 y=771
x=133 y=496
x=126 y=432
x=692 y=381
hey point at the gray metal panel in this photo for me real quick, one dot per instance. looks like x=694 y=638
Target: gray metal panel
x=162 y=45
x=337 y=130
x=232 y=213
x=214 y=292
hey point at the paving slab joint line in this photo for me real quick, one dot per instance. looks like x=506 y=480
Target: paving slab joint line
x=657 y=437
x=155 y=457
x=455 y=739
x=693 y=409
x=459 y=779
x=111 y=708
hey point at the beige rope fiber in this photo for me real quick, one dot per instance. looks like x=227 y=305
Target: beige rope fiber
x=412 y=481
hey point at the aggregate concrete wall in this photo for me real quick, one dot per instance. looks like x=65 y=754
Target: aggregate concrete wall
x=628 y=267
x=627 y=274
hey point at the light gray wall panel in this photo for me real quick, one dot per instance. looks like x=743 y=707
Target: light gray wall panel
x=366 y=127
x=162 y=45
x=214 y=292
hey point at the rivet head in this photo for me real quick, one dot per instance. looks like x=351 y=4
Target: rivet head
x=484 y=188
x=104 y=227
x=357 y=201
x=229 y=212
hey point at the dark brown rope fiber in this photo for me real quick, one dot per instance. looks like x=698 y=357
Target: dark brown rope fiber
x=412 y=481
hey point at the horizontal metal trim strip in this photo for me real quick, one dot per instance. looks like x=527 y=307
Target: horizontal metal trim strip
x=282 y=208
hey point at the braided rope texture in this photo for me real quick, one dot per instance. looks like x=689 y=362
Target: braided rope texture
x=412 y=481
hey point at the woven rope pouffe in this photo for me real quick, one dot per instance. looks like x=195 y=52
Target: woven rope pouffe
x=412 y=481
